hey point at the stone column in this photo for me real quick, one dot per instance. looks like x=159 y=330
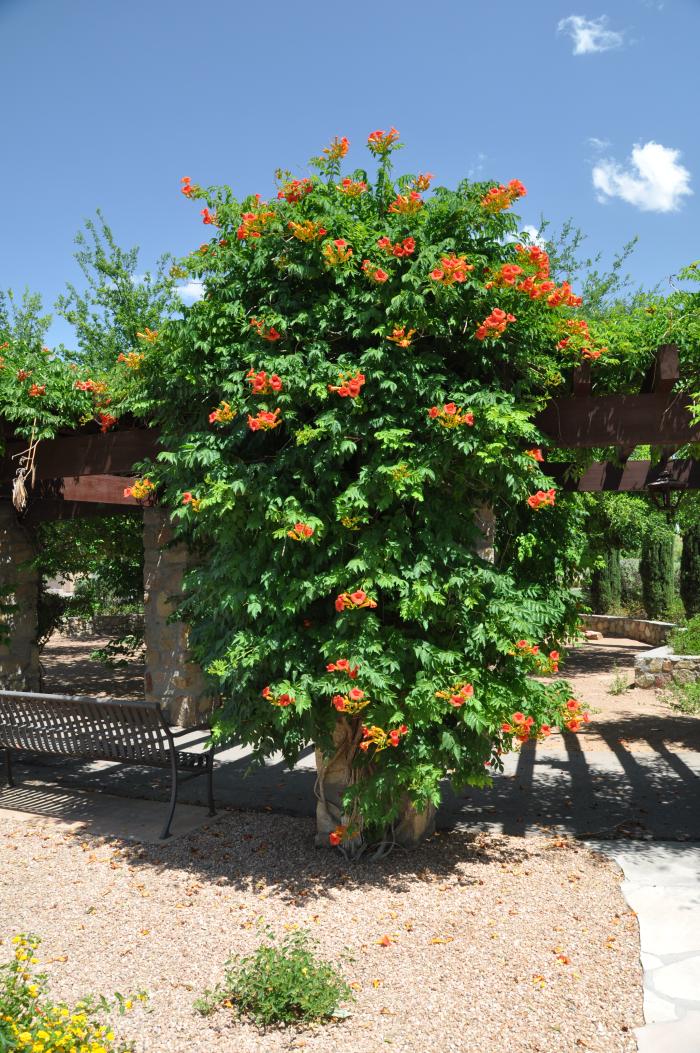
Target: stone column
x=171 y=678
x=19 y=587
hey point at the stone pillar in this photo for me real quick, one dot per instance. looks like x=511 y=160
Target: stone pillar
x=171 y=678
x=19 y=588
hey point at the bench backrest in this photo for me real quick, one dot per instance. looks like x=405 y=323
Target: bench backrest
x=81 y=726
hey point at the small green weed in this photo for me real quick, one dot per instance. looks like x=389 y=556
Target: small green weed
x=281 y=983
x=619 y=684
x=685 y=697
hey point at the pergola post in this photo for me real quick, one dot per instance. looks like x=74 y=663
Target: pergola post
x=171 y=678
x=19 y=602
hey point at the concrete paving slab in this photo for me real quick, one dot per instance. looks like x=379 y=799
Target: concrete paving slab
x=681 y=981
x=661 y=884
x=658 y=1010
x=661 y=863
x=100 y=814
x=677 y=1036
x=669 y=917
x=585 y=795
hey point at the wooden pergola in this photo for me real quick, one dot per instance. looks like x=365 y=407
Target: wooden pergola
x=85 y=473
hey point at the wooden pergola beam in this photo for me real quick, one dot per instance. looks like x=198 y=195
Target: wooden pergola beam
x=86 y=489
x=664 y=372
x=45 y=511
x=631 y=477
x=113 y=453
x=584 y=421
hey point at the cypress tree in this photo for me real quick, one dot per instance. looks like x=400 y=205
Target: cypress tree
x=656 y=569
x=606 y=584
x=690 y=570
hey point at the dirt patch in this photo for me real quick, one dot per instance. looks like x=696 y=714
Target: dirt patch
x=638 y=717
x=67 y=669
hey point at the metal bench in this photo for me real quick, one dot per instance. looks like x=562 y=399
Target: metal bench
x=101 y=729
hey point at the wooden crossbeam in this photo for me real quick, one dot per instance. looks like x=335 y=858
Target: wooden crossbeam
x=632 y=477
x=584 y=421
x=46 y=511
x=113 y=453
x=86 y=489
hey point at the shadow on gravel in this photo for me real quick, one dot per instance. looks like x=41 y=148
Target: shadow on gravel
x=67 y=669
x=277 y=853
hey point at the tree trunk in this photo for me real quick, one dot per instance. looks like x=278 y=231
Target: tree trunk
x=336 y=774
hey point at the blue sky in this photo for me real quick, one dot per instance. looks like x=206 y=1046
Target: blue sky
x=107 y=103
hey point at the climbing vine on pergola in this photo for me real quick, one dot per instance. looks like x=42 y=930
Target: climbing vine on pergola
x=361 y=379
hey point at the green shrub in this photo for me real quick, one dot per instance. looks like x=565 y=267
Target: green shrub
x=631 y=590
x=281 y=983
x=686 y=641
x=119 y=652
x=656 y=569
x=690 y=570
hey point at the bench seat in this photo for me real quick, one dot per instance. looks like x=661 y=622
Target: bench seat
x=130 y=732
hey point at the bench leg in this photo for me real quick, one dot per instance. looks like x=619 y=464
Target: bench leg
x=8 y=766
x=210 y=783
x=173 y=795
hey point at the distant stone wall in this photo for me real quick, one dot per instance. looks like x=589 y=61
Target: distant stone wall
x=19 y=581
x=661 y=667
x=171 y=678
x=114 y=625
x=654 y=633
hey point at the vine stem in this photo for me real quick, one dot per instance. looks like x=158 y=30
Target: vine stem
x=26 y=468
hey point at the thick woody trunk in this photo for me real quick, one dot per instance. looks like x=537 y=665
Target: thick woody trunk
x=19 y=590
x=336 y=774
x=485 y=522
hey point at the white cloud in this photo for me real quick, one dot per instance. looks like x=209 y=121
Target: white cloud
x=477 y=168
x=653 y=180
x=591 y=34
x=533 y=235
x=598 y=144
x=193 y=290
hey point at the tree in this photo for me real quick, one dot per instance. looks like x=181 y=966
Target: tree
x=690 y=570
x=656 y=569
x=602 y=289
x=119 y=302
x=22 y=321
x=358 y=379
x=606 y=583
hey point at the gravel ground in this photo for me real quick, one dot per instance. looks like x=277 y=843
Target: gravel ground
x=524 y=946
